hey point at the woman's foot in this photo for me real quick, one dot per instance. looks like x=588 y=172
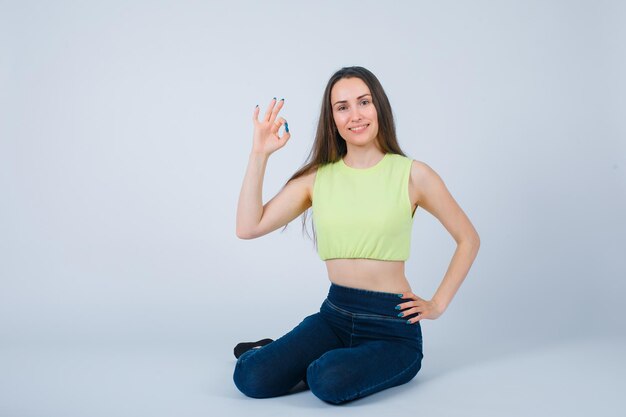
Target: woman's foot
x=246 y=346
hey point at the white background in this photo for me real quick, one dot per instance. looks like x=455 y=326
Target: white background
x=125 y=129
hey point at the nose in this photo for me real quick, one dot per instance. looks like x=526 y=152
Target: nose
x=355 y=114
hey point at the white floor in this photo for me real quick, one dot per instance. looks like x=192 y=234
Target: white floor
x=574 y=378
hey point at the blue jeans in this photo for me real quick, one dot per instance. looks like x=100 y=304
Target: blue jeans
x=354 y=346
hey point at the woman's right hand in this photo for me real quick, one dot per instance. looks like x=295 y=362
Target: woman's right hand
x=266 y=139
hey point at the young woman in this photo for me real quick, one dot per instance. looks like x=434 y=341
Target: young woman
x=363 y=192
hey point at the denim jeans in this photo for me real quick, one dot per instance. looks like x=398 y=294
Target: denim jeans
x=356 y=345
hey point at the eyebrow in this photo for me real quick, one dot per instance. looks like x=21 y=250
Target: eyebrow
x=359 y=97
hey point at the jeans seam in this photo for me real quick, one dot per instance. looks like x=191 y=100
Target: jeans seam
x=352 y=332
x=364 y=315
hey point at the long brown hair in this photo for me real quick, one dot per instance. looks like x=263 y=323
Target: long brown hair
x=329 y=146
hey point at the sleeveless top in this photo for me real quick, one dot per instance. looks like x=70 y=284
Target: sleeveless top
x=363 y=213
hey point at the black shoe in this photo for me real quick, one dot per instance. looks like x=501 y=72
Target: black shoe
x=246 y=346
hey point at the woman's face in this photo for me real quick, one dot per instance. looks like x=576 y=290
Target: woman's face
x=353 y=111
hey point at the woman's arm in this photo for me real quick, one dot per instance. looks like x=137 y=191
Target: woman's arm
x=432 y=194
x=435 y=198
x=460 y=264
x=255 y=219
x=250 y=205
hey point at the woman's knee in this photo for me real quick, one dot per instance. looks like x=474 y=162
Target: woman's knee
x=263 y=376
x=250 y=377
x=334 y=380
x=327 y=382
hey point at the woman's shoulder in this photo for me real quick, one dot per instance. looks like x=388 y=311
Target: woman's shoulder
x=423 y=175
x=419 y=166
x=416 y=164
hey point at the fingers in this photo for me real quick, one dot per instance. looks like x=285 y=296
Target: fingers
x=270 y=107
x=414 y=311
x=276 y=126
x=409 y=294
x=273 y=108
x=286 y=135
x=276 y=109
x=255 y=114
x=413 y=305
x=272 y=111
x=410 y=308
x=412 y=315
x=409 y=312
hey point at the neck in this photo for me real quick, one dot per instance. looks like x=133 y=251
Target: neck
x=358 y=157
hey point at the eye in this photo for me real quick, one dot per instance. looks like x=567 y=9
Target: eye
x=364 y=101
x=340 y=107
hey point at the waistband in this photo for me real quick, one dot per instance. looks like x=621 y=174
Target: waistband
x=358 y=300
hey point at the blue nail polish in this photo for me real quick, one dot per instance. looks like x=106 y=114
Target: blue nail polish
x=408 y=322
x=286 y=127
x=274 y=98
x=282 y=99
x=400 y=314
x=397 y=307
x=400 y=295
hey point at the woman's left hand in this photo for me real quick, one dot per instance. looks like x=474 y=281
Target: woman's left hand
x=427 y=309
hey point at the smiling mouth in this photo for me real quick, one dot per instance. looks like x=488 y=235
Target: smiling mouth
x=358 y=128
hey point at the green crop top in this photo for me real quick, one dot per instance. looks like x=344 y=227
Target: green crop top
x=363 y=213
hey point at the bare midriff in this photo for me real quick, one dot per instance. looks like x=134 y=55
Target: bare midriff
x=368 y=274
